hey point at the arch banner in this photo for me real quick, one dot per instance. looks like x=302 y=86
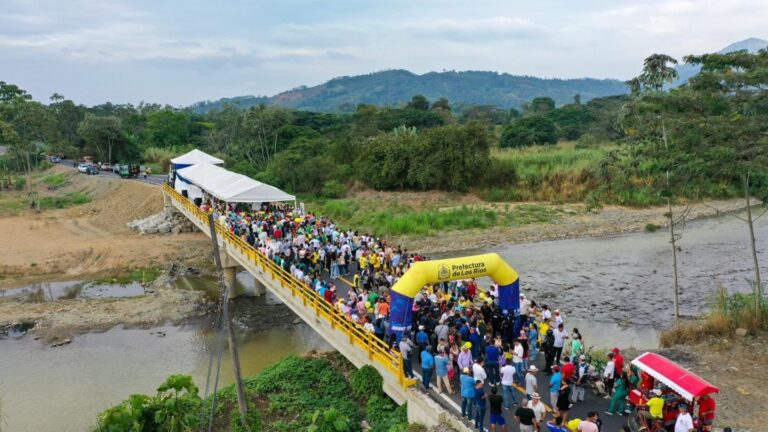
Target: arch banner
x=428 y=272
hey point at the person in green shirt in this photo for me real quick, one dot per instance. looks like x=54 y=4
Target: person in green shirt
x=619 y=395
x=577 y=348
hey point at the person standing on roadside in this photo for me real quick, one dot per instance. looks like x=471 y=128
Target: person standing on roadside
x=497 y=416
x=441 y=369
x=555 y=381
x=531 y=383
x=467 y=393
x=539 y=410
x=525 y=417
x=564 y=399
x=480 y=399
x=406 y=348
x=557 y=425
x=427 y=366
x=507 y=380
x=560 y=338
x=581 y=375
x=609 y=375
x=517 y=360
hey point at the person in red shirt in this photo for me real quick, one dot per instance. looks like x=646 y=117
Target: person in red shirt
x=568 y=369
x=706 y=410
x=618 y=361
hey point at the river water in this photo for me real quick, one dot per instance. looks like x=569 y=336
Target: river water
x=616 y=290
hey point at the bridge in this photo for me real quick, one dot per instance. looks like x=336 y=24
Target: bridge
x=358 y=345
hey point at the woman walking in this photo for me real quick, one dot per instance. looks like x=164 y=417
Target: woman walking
x=619 y=397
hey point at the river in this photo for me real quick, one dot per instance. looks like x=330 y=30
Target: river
x=616 y=290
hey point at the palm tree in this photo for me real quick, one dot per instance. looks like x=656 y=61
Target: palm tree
x=656 y=71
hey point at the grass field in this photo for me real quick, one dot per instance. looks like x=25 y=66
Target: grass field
x=561 y=173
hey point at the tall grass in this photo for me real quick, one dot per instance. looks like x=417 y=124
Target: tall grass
x=548 y=173
x=398 y=219
x=159 y=158
x=67 y=200
x=727 y=313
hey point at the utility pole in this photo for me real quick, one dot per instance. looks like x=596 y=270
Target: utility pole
x=241 y=403
x=674 y=259
x=750 y=222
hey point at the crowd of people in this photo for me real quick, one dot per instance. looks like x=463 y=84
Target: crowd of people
x=459 y=335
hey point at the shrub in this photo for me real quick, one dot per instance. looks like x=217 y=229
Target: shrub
x=383 y=415
x=366 y=382
x=333 y=189
x=652 y=228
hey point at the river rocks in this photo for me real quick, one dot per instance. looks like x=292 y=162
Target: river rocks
x=741 y=332
x=165 y=222
x=60 y=342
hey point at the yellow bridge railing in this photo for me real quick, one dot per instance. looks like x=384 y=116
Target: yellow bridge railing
x=377 y=350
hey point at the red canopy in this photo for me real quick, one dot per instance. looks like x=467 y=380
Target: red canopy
x=684 y=382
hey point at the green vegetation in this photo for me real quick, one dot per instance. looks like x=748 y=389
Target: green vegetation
x=726 y=314
x=404 y=220
x=64 y=201
x=55 y=180
x=395 y=88
x=142 y=275
x=297 y=393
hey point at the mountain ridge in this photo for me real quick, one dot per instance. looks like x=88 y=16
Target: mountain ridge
x=395 y=87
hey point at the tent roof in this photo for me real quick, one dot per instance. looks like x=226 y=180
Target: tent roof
x=674 y=376
x=229 y=186
x=195 y=157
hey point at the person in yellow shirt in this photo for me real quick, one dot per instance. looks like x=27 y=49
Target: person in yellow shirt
x=543 y=329
x=363 y=261
x=656 y=405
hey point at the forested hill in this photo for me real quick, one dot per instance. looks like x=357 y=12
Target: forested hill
x=396 y=87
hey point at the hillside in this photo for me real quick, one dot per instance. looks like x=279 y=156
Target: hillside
x=686 y=71
x=395 y=87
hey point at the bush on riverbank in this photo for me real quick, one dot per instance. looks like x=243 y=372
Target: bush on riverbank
x=728 y=313
x=316 y=393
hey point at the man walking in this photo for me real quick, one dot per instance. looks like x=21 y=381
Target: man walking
x=555 y=381
x=525 y=417
x=560 y=336
x=497 y=416
x=517 y=360
x=492 y=355
x=480 y=405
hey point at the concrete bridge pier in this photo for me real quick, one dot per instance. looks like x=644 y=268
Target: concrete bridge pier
x=259 y=289
x=230 y=279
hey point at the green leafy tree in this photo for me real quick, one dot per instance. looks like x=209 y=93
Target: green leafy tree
x=101 y=134
x=419 y=102
x=168 y=128
x=657 y=71
x=530 y=130
x=541 y=105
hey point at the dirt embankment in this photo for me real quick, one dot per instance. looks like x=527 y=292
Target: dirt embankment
x=91 y=239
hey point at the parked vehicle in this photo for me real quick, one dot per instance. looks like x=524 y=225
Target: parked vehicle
x=129 y=170
x=55 y=159
x=83 y=167
x=105 y=166
x=116 y=168
x=92 y=170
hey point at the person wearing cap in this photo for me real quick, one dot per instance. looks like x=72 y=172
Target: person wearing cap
x=539 y=410
x=531 y=382
x=655 y=406
x=684 y=422
x=580 y=380
x=555 y=382
x=465 y=357
x=467 y=393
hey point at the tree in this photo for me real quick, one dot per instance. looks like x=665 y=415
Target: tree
x=419 y=102
x=577 y=99
x=541 y=105
x=657 y=72
x=441 y=104
x=534 y=129
x=168 y=128
x=261 y=134
x=101 y=133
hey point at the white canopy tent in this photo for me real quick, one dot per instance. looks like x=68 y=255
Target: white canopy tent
x=229 y=186
x=195 y=157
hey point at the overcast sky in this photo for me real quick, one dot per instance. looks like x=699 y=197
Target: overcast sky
x=183 y=51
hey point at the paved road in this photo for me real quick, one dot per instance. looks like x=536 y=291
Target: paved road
x=155 y=179
x=593 y=402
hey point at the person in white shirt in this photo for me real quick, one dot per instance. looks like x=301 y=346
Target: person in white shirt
x=507 y=380
x=609 y=374
x=539 y=410
x=560 y=336
x=684 y=422
x=558 y=318
x=478 y=371
x=517 y=360
x=531 y=383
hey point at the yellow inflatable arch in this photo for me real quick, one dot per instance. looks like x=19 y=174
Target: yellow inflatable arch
x=427 y=272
